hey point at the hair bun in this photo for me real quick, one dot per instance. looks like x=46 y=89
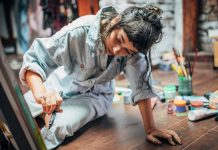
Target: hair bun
x=154 y=9
x=152 y=14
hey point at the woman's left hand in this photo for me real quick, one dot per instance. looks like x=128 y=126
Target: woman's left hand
x=169 y=135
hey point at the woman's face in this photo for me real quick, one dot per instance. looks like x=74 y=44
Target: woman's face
x=117 y=43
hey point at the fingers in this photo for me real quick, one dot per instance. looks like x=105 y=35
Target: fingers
x=165 y=135
x=154 y=140
x=170 y=135
x=170 y=140
x=41 y=101
x=59 y=100
x=51 y=109
x=47 y=102
x=50 y=101
x=175 y=136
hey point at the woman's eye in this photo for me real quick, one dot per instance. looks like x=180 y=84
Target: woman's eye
x=127 y=51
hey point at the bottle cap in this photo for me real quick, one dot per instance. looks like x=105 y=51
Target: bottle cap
x=180 y=102
x=197 y=104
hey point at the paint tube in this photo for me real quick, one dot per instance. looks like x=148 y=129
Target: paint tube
x=198 y=114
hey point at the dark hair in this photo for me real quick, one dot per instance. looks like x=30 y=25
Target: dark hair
x=141 y=24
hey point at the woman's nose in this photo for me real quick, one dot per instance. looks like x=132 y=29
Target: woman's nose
x=116 y=48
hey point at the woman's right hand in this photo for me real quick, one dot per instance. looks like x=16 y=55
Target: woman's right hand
x=50 y=101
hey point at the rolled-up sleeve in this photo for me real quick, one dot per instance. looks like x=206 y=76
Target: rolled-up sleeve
x=136 y=71
x=46 y=54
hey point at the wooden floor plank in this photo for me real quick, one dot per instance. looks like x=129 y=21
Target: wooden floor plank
x=191 y=131
x=207 y=142
x=216 y=129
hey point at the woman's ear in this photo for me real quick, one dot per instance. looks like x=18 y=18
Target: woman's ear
x=115 y=20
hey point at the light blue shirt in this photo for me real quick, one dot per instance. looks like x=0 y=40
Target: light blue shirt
x=75 y=61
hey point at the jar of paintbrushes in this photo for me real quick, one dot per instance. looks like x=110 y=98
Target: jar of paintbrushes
x=185 y=74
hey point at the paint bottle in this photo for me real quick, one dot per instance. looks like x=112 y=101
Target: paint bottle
x=170 y=108
x=196 y=105
x=169 y=93
x=180 y=106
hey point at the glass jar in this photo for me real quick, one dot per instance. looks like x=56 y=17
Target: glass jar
x=185 y=86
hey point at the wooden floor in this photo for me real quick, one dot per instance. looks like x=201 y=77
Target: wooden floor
x=122 y=129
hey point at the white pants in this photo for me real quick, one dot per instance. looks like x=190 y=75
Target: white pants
x=77 y=111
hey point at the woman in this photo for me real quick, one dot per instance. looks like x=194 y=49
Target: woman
x=85 y=56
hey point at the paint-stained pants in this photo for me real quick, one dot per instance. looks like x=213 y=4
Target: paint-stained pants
x=77 y=111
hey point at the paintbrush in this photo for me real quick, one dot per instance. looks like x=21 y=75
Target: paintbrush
x=180 y=61
x=194 y=61
x=174 y=52
x=189 y=67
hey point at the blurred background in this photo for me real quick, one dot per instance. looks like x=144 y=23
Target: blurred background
x=187 y=24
